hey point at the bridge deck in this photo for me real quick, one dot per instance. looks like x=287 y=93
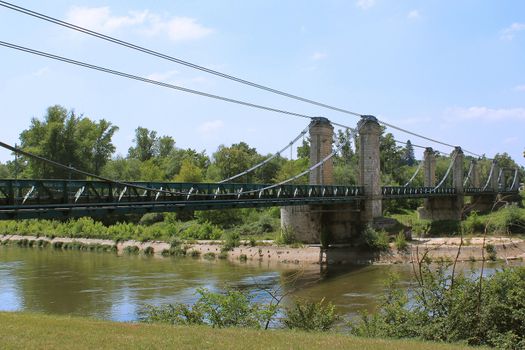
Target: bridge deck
x=72 y=198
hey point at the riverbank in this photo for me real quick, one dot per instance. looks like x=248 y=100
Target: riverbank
x=36 y=331
x=268 y=253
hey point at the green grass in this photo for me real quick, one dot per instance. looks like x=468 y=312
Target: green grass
x=34 y=331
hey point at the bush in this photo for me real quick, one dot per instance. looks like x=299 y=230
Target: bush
x=230 y=309
x=204 y=231
x=232 y=239
x=374 y=240
x=285 y=236
x=132 y=249
x=401 y=242
x=149 y=219
x=310 y=316
x=448 y=308
x=149 y=250
x=491 y=251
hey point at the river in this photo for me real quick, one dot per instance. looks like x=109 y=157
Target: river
x=107 y=286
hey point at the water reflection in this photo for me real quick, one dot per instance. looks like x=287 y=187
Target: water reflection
x=105 y=286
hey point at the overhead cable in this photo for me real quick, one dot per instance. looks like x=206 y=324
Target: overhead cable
x=276 y=154
x=149 y=81
x=169 y=58
x=202 y=68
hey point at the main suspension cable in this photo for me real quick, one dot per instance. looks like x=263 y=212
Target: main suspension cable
x=201 y=68
x=169 y=58
x=149 y=81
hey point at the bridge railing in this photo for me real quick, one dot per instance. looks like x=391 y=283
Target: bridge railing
x=402 y=191
x=39 y=192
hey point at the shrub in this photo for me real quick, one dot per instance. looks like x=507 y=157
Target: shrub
x=204 y=231
x=132 y=249
x=448 y=308
x=401 y=242
x=491 y=251
x=209 y=256
x=232 y=239
x=243 y=257
x=194 y=253
x=149 y=250
x=149 y=219
x=310 y=316
x=230 y=309
x=374 y=240
x=285 y=236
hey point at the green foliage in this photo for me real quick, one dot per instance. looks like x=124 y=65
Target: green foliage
x=189 y=172
x=232 y=239
x=131 y=249
x=285 y=236
x=374 y=240
x=222 y=218
x=491 y=251
x=149 y=219
x=149 y=250
x=66 y=138
x=310 y=316
x=230 y=309
x=401 y=242
x=204 y=231
x=209 y=256
x=452 y=308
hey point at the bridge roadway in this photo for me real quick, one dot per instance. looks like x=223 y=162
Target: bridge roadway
x=26 y=199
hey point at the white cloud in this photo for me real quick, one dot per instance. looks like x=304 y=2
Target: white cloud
x=520 y=88
x=414 y=14
x=210 y=127
x=177 y=28
x=509 y=32
x=486 y=114
x=317 y=56
x=164 y=76
x=146 y=22
x=365 y=4
x=41 y=72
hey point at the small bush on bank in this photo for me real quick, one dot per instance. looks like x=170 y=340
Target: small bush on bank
x=286 y=236
x=374 y=240
x=310 y=316
x=232 y=239
x=401 y=242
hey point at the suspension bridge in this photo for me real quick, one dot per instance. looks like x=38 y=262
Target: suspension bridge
x=308 y=209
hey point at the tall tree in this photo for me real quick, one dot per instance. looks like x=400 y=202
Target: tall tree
x=146 y=144
x=408 y=154
x=235 y=159
x=68 y=139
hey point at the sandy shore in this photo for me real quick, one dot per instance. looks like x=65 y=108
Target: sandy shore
x=506 y=248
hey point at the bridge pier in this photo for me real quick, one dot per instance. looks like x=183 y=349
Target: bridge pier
x=309 y=222
x=443 y=208
x=369 y=167
x=486 y=202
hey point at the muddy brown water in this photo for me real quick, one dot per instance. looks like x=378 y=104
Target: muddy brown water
x=107 y=286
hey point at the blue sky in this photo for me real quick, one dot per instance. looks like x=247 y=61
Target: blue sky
x=451 y=70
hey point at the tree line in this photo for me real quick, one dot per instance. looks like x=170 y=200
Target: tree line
x=71 y=139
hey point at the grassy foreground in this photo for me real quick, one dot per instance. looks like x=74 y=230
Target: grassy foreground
x=35 y=331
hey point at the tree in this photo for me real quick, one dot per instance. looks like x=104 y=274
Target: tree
x=408 y=154
x=166 y=146
x=189 y=172
x=146 y=144
x=235 y=159
x=67 y=139
x=303 y=151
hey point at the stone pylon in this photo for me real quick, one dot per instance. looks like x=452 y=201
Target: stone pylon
x=369 y=167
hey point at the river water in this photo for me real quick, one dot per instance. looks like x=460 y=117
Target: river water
x=107 y=286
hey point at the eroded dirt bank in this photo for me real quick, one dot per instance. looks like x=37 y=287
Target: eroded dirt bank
x=503 y=248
